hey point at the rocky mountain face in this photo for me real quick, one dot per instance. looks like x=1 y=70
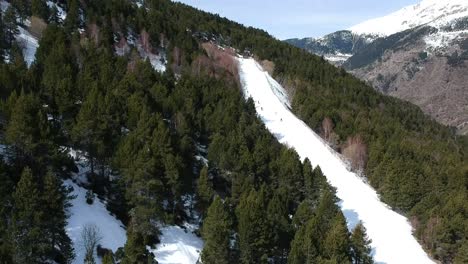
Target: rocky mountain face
x=419 y=54
x=336 y=47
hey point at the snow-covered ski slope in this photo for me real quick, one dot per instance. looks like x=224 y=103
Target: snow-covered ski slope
x=391 y=233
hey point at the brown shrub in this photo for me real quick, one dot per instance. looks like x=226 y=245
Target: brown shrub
x=145 y=41
x=222 y=60
x=327 y=128
x=355 y=150
x=268 y=66
x=93 y=33
x=38 y=25
x=202 y=64
x=177 y=57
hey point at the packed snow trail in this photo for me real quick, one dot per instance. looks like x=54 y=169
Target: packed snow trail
x=391 y=233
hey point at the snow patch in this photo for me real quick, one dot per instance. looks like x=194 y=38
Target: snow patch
x=62 y=14
x=4 y=5
x=81 y=162
x=29 y=44
x=391 y=233
x=339 y=57
x=158 y=61
x=178 y=245
x=112 y=230
x=443 y=39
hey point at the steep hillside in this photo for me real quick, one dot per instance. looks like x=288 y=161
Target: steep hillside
x=425 y=66
x=150 y=93
x=392 y=241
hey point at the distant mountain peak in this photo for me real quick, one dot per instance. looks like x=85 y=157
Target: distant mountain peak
x=435 y=13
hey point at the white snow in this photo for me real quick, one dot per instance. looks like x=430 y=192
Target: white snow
x=81 y=162
x=158 y=61
x=4 y=5
x=62 y=14
x=434 y=13
x=81 y=214
x=178 y=245
x=112 y=230
x=339 y=57
x=28 y=43
x=391 y=233
x=443 y=39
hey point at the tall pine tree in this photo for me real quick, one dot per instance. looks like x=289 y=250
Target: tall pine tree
x=360 y=243
x=216 y=234
x=26 y=232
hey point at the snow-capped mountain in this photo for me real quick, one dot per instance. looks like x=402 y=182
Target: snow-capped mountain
x=418 y=53
x=448 y=17
x=434 y=13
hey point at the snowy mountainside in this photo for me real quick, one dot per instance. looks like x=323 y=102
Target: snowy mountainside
x=391 y=233
x=445 y=16
x=336 y=47
x=417 y=54
x=435 y=13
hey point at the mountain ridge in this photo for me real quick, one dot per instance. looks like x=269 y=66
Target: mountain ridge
x=425 y=34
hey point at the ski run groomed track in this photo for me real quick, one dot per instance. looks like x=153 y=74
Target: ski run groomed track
x=391 y=233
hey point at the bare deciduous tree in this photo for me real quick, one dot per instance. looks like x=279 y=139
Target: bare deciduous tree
x=90 y=237
x=356 y=151
x=327 y=128
x=146 y=41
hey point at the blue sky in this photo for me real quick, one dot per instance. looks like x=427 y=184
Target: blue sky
x=299 y=18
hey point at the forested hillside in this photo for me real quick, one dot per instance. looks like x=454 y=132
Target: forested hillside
x=95 y=86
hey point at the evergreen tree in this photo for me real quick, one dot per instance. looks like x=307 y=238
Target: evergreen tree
x=216 y=234
x=462 y=256
x=336 y=246
x=22 y=133
x=72 y=22
x=108 y=259
x=360 y=244
x=278 y=216
x=172 y=175
x=135 y=248
x=87 y=131
x=253 y=227
x=10 y=26
x=6 y=199
x=204 y=190
x=303 y=214
x=26 y=232
x=58 y=75
x=297 y=254
x=55 y=202
x=312 y=182
x=40 y=9
x=23 y=7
